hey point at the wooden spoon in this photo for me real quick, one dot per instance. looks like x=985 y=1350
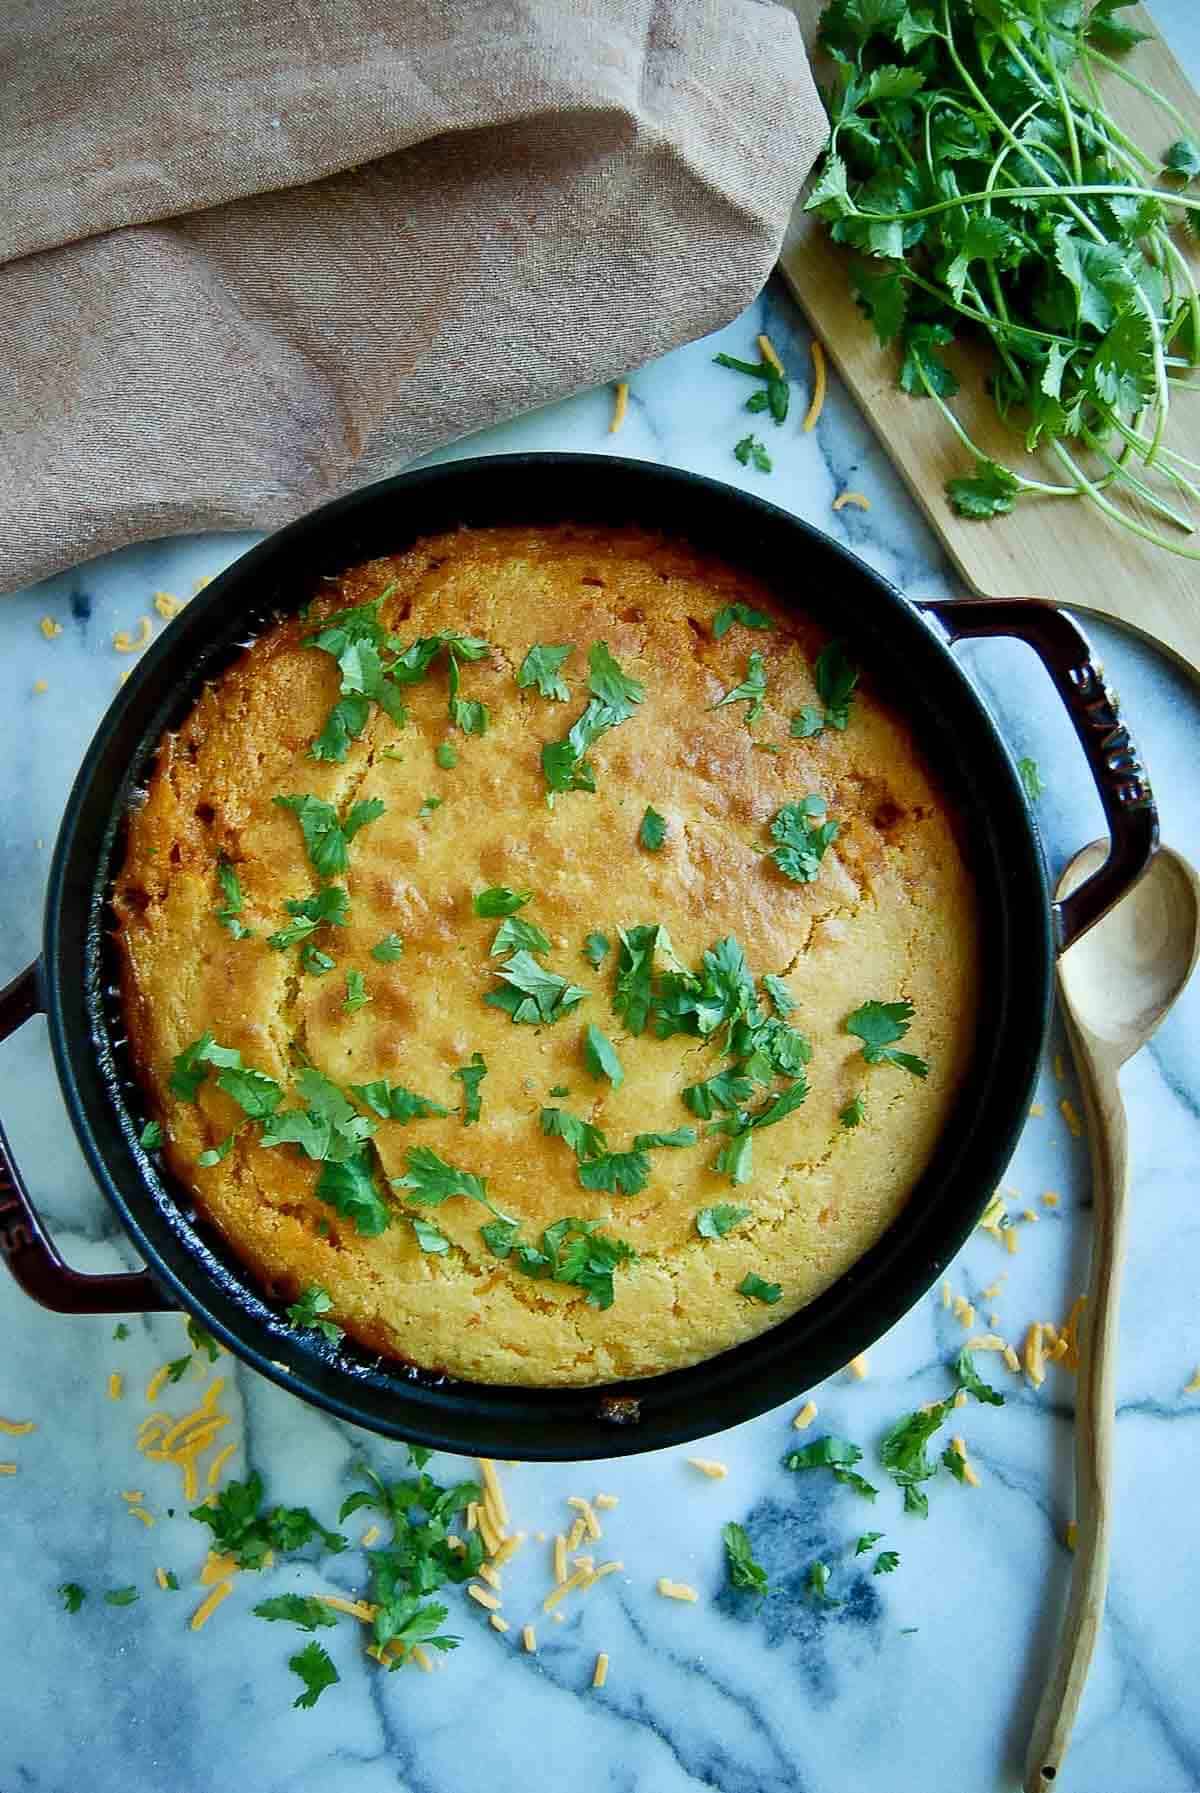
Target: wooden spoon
x=1115 y=985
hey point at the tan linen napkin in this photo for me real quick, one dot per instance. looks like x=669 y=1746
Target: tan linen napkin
x=256 y=252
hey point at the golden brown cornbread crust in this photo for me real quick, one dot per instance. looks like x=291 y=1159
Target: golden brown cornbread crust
x=892 y=914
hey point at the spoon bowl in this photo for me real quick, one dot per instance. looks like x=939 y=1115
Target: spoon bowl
x=1120 y=979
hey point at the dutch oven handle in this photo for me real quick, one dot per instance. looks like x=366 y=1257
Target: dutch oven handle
x=1121 y=780
x=24 y=1244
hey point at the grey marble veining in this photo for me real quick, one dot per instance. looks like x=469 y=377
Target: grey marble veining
x=921 y=1679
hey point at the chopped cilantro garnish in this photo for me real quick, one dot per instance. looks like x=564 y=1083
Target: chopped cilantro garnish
x=178 y=1368
x=116 y=1597
x=557 y=1090
x=837 y=681
x=618 y=1173
x=541 y=667
x=879 y=1025
x=317 y=1672
x=446 y=755
x=326 y=838
x=744 y=1572
x=218 y=1153
x=804 y=838
x=308 y=1311
x=304 y=1610
x=715 y=1222
x=356 y=992
x=679 y=1136
x=431 y=1181
x=241 y=1530
x=729 y=614
x=388 y=950
x=818 y=1584
x=751 y=452
x=752 y=691
x=151 y=1137
x=724 y=1090
x=600 y=1057
x=1031 y=778
x=471 y=1076
x=428 y=805
x=515 y=934
x=584 y=1140
x=614 y=697
x=500 y=1236
x=755 y=1289
x=229 y=912
x=955 y=1463
x=314 y=961
x=572 y=1251
x=172 y=1580
x=635 y=974
x=779 y=993
x=500 y=900
x=392 y=1102
x=429 y=1237
x=595 y=946
x=968 y=1377
x=653 y=830
x=534 y=994
x=120 y=1330
x=72 y=1595
x=190 y=1066
x=886 y=1562
x=867 y=1542
x=854 y=1113
x=349 y=1186
x=330 y=905
x=254 y=1092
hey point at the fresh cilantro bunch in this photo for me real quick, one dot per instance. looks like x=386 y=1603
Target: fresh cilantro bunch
x=987 y=196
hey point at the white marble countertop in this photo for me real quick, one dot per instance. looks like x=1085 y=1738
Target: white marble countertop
x=922 y=1678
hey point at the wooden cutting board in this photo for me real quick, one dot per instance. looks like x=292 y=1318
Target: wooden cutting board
x=1056 y=548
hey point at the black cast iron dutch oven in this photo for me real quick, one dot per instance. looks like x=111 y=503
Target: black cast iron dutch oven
x=1022 y=928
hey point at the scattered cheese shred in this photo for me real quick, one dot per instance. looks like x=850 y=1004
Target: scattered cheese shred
x=116 y=1386
x=207 y=1608
x=818 y=396
x=356 y=1609
x=1074 y=1125
x=1011 y=1360
x=1051 y=1199
x=507 y=1550
x=858 y=1366
x=609 y=1568
x=50 y=628
x=487 y=1531
x=1058 y=1066
x=483 y=1597
x=806 y=1416
x=497 y=1623
x=994 y=1219
x=40 y=687
x=1072 y=1537
x=560 y=1558
x=167 y=604
x=140 y=1512
x=529 y=1639
x=371 y=1536
x=947 y=1298
x=160 y=1576
x=216 y=1568
x=201 y=582
x=1034 y=1355
x=560 y=1593
x=960 y=1398
x=964 y=1312
x=606 y=1500
x=132 y=1494
x=16 y=1428
x=600 y=1672
x=422 y=1659
x=1010 y=1242
x=490 y=1575
x=212 y=1394
x=986 y=1341
x=155 y=1385
x=1028 y=1214
x=993 y=1288
x=766 y=349
x=1193 y=1387
x=620 y=406
x=1037 y=1110
x=221 y=1459
x=858 y=499
x=970 y=1475
x=125 y=643
x=493 y=1493
x=576 y=1534
x=675 y=1590
x=8 y=1469
x=710 y=1467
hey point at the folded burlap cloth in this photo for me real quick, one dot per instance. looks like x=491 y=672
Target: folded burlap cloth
x=256 y=252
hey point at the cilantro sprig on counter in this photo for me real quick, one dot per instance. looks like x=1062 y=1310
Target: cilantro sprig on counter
x=989 y=197
x=744 y=1572
x=316 y=1670
x=774 y=393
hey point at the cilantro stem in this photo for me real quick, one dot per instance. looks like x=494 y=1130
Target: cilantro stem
x=1148 y=498
x=1159 y=99
x=1086 y=190
x=1064 y=106
x=1119 y=516
x=1026 y=485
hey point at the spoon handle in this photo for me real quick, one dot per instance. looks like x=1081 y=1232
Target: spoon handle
x=1095 y=1418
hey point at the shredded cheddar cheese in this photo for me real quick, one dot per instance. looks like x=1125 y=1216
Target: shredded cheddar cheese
x=371 y=1536
x=818 y=396
x=986 y=1341
x=710 y=1467
x=993 y=1288
x=50 y=628
x=422 y=1659
x=1037 y=1110
x=970 y=1476
x=1074 y=1125
x=620 y=406
x=506 y=1551
x=216 y=1568
x=560 y=1558
x=167 y=604
x=859 y=499
x=139 y=1512
x=207 y=1608
x=1034 y=1355
x=155 y=1385
x=1011 y=1360
x=218 y=1463
x=606 y=1500
x=40 y=687
x=1058 y=1066
x=493 y=1493
x=497 y=1623
x=529 y=1639
x=490 y=1575
x=946 y=1295
x=483 y=1597
x=576 y=1534
x=125 y=643
x=1072 y=1535
x=1010 y=1242
x=858 y=1366
x=600 y=1672
x=1051 y=1199
x=1193 y=1387
x=560 y=1593
x=960 y=1398
x=487 y=1531
x=766 y=349
x=8 y=1469
x=16 y=1428
x=116 y=1386
x=1028 y=1214
x=132 y=1494
x=354 y=1609
x=675 y=1590
x=160 y=1576
x=609 y=1568
x=805 y=1417
x=591 y=1524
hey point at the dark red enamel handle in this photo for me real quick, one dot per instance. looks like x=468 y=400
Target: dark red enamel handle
x=24 y=1244
x=1112 y=757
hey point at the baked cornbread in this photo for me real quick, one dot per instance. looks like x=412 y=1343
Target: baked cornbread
x=244 y=1015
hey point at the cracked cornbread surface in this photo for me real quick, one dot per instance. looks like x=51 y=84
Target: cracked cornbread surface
x=891 y=915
